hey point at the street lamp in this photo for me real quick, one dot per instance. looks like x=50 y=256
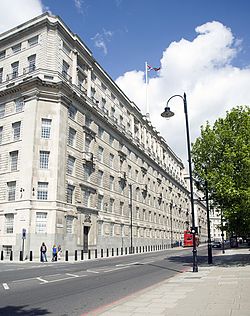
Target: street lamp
x=209 y=246
x=167 y=114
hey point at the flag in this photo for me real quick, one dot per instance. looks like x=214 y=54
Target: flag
x=149 y=68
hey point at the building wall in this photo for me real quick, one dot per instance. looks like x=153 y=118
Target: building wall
x=66 y=89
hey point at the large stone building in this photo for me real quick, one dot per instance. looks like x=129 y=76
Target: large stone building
x=77 y=157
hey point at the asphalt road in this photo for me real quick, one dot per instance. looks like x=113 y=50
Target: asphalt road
x=62 y=288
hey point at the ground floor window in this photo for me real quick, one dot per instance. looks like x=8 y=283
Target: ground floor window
x=41 y=222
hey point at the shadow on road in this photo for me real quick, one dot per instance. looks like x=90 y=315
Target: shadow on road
x=222 y=260
x=21 y=310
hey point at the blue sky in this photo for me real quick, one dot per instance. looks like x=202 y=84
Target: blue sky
x=142 y=29
x=202 y=47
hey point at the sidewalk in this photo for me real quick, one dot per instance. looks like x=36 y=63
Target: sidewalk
x=217 y=290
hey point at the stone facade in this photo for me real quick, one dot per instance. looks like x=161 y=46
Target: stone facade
x=77 y=157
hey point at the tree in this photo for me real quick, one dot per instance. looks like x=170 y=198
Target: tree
x=221 y=156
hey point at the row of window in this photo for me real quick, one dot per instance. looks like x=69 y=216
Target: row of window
x=42 y=190
x=41 y=223
x=15 y=71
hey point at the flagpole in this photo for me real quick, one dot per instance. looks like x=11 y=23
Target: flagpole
x=146 y=82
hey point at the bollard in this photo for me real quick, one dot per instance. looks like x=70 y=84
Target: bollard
x=107 y=252
x=143 y=248
x=1 y=255
x=121 y=251
x=31 y=255
x=101 y=253
x=112 y=252
x=66 y=255
x=126 y=251
x=11 y=255
x=75 y=255
x=89 y=254
x=21 y=255
x=82 y=255
x=117 y=251
x=95 y=253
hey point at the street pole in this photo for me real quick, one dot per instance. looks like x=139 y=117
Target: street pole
x=209 y=245
x=168 y=113
x=171 y=225
x=195 y=263
x=131 y=218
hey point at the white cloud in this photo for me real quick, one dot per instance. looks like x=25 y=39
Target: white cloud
x=203 y=69
x=15 y=12
x=101 y=40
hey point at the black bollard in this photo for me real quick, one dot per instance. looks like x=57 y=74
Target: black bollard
x=1 y=255
x=89 y=254
x=101 y=253
x=95 y=253
x=31 y=255
x=21 y=255
x=66 y=255
x=75 y=255
x=82 y=256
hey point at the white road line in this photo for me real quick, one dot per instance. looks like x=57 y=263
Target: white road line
x=42 y=280
x=74 y=275
x=127 y=264
x=5 y=286
x=91 y=271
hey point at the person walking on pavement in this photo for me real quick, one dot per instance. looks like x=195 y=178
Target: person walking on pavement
x=54 y=253
x=59 y=252
x=43 y=251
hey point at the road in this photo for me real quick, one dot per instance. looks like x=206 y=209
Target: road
x=63 y=288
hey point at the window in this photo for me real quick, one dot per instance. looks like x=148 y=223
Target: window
x=111 y=140
x=41 y=222
x=33 y=40
x=42 y=191
x=14 y=68
x=71 y=137
x=111 y=205
x=88 y=121
x=87 y=172
x=111 y=160
x=100 y=132
x=2 y=110
x=1 y=134
x=11 y=190
x=111 y=183
x=100 y=178
x=2 y=54
x=13 y=160
x=70 y=192
x=100 y=202
x=16 y=130
x=44 y=159
x=19 y=104
x=69 y=224
x=70 y=164
x=66 y=48
x=32 y=63
x=87 y=144
x=65 y=69
x=86 y=198
x=9 y=223
x=121 y=207
x=46 y=128
x=72 y=112
x=16 y=48
x=1 y=75
x=100 y=153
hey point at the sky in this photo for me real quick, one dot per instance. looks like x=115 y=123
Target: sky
x=202 y=47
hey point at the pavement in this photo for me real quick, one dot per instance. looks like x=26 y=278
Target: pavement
x=221 y=289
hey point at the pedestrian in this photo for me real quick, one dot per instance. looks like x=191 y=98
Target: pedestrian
x=54 y=253
x=43 y=251
x=59 y=252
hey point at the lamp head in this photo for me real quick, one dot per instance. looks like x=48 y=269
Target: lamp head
x=167 y=112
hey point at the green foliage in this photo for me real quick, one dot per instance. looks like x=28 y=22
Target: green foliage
x=221 y=156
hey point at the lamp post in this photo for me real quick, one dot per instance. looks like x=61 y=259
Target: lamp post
x=131 y=217
x=167 y=114
x=209 y=246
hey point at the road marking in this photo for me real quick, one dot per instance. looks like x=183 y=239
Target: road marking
x=91 y=271
x=5 y=286
x=42 y=280
x=74 y=275
x=127 y=264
